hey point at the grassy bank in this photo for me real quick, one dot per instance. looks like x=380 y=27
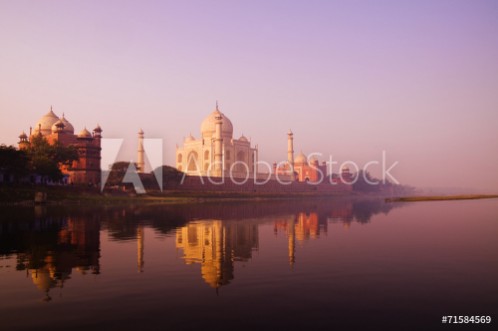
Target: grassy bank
x=442 y=198
x=24 y=195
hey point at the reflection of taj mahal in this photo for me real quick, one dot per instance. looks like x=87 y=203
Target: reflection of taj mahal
x=216 y=152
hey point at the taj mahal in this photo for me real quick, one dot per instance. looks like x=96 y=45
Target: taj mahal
x=216 y=153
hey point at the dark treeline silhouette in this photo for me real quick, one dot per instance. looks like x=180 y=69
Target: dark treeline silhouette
x=364 y=182
x=39 y=158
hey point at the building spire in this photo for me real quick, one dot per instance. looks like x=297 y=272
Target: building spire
x=217 y=105
x=140 y=152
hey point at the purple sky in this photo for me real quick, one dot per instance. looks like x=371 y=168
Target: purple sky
x=350 y=78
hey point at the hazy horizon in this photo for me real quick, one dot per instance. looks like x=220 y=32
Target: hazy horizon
x=418 y=80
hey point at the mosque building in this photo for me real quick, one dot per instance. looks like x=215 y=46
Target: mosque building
x=58 y=129
x=217 y=153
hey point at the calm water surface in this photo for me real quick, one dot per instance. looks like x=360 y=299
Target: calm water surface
x=284 y=265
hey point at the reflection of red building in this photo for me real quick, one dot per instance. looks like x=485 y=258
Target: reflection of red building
x=87 y=169
x=299 y=228
x=77 y=248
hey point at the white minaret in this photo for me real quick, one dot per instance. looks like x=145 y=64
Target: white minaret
x=140 y=156
x=290 y=152
x=217 y=144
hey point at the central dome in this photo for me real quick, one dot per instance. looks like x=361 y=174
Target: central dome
x=301 y=159
x=208 y=126
x=45 y=123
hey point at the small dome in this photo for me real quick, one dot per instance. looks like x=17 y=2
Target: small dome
x=314 y=159
x=208 y=126
x=45 y=123
x=189 y=138
x=301 y=158
x=68 y=127
x=84 y=134
x=58 y=126
x=98 y=129
x=140 y=132
x=23 y=135
x=243 y=138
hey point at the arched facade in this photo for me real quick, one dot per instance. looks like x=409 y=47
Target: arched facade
x=233 y=151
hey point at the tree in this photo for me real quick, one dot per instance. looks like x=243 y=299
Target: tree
x=117 y=173
x=13 y=162
x=47 y=159
x=365 y=182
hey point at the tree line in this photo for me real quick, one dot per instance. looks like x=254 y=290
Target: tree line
x=40 y=158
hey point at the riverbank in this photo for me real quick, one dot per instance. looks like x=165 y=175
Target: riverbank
x=442 y=198
x=59 y=195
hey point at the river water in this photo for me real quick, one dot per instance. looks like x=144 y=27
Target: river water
x=317 y=264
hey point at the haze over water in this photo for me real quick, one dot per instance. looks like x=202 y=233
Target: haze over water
x=351 y=79
x=314 y=264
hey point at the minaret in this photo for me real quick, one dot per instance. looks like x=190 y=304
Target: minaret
x=23 y=141
x=217 y=144
x=290 y=152
x=97 y=134
x=140 y=156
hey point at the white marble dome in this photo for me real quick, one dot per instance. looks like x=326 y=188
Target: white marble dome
x=208 y=126
x=46 y=122
x=189 y=138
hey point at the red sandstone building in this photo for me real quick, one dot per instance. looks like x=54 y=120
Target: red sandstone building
x=87 y=169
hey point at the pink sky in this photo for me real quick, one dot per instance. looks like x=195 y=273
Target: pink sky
x=350 y=78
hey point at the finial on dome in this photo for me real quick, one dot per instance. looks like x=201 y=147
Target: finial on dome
x=217 y=105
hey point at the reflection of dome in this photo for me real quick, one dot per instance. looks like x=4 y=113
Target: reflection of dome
x=300 y=158
x=189 y=138
x=42 y=279
x=208 y=126
x=84 y=134
x=68 y=127
x=46 y=122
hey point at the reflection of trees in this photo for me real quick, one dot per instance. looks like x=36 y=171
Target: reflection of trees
x=363 y=210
